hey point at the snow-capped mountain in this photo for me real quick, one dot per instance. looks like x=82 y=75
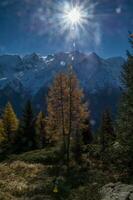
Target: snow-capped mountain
x=30 y=76
x=34 y=71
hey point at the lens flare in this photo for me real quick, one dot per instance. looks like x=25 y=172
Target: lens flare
x=73 y=22
x=73 y=16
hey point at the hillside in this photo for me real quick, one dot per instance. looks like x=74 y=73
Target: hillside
x=30 y=176
x=30 y=76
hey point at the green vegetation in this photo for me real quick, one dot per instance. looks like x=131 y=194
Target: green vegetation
x=31 y=176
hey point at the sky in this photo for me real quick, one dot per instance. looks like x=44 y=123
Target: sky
x=28 y=26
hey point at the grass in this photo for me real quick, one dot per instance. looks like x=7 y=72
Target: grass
x=30 y=176
x=22 y=180
x=44 y=156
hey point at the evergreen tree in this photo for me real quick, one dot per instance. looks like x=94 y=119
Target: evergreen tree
x=125 y=119
x=26 y=133
x=87 y=133
x=2 y=132
x=41 y=130
x=107 y=135
x=3 y=141
x=10 y=122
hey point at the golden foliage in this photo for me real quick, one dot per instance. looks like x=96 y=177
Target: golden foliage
x=10 y=120
x=65 y=96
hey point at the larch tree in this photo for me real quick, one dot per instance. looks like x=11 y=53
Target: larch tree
x=3 y=141
x=3 y=137
x=77 y=112
x=2 y=132
x=57 y=108
x=67 y=111
x=10 y=122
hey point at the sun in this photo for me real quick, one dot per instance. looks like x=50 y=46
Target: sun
x=75 y=20
x=74 y=16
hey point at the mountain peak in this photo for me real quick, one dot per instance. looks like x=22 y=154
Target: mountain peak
x=31 y=56
x=32 y=59
x=93 y=55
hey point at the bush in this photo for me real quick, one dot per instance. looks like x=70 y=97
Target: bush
x=44 y=156
x=89 y=192
x=93 y=150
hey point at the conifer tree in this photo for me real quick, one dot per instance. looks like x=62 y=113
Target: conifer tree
x=3 y=137
x=57 y=102
x=10 y=122
x=2 y=132
x=77 y=112
x=3 y=141
x=87 y=133
x=66 y=110
x=125 y=118
x=27 y=129
x=77 y=147
x=107 y=135
x=40 y=130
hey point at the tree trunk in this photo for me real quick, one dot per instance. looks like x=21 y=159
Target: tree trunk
x=62 y=114
x=70 y=122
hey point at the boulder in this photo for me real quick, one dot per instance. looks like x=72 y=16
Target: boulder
x=117 y=191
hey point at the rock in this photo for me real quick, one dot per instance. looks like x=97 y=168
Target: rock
x=117 y=191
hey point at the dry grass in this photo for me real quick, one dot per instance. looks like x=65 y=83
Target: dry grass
x=20 y=180
x=30 y=176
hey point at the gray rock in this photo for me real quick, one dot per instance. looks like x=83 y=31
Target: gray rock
x=117 y=191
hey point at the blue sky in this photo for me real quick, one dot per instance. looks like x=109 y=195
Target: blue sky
x=28 y=26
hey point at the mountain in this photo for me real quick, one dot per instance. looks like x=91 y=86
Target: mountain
x=30 y=76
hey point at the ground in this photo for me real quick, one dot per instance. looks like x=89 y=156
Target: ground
x=31 y=175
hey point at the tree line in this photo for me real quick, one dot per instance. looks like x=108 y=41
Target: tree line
x=117 y=147
x=67 y=116
x=68 y=123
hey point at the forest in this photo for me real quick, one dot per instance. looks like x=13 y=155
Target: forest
x=57 y=154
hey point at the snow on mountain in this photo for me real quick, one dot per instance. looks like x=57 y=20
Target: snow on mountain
x=34 y=71
x=29 y=77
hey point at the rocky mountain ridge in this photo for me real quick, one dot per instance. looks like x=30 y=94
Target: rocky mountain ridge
x=30 y=76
